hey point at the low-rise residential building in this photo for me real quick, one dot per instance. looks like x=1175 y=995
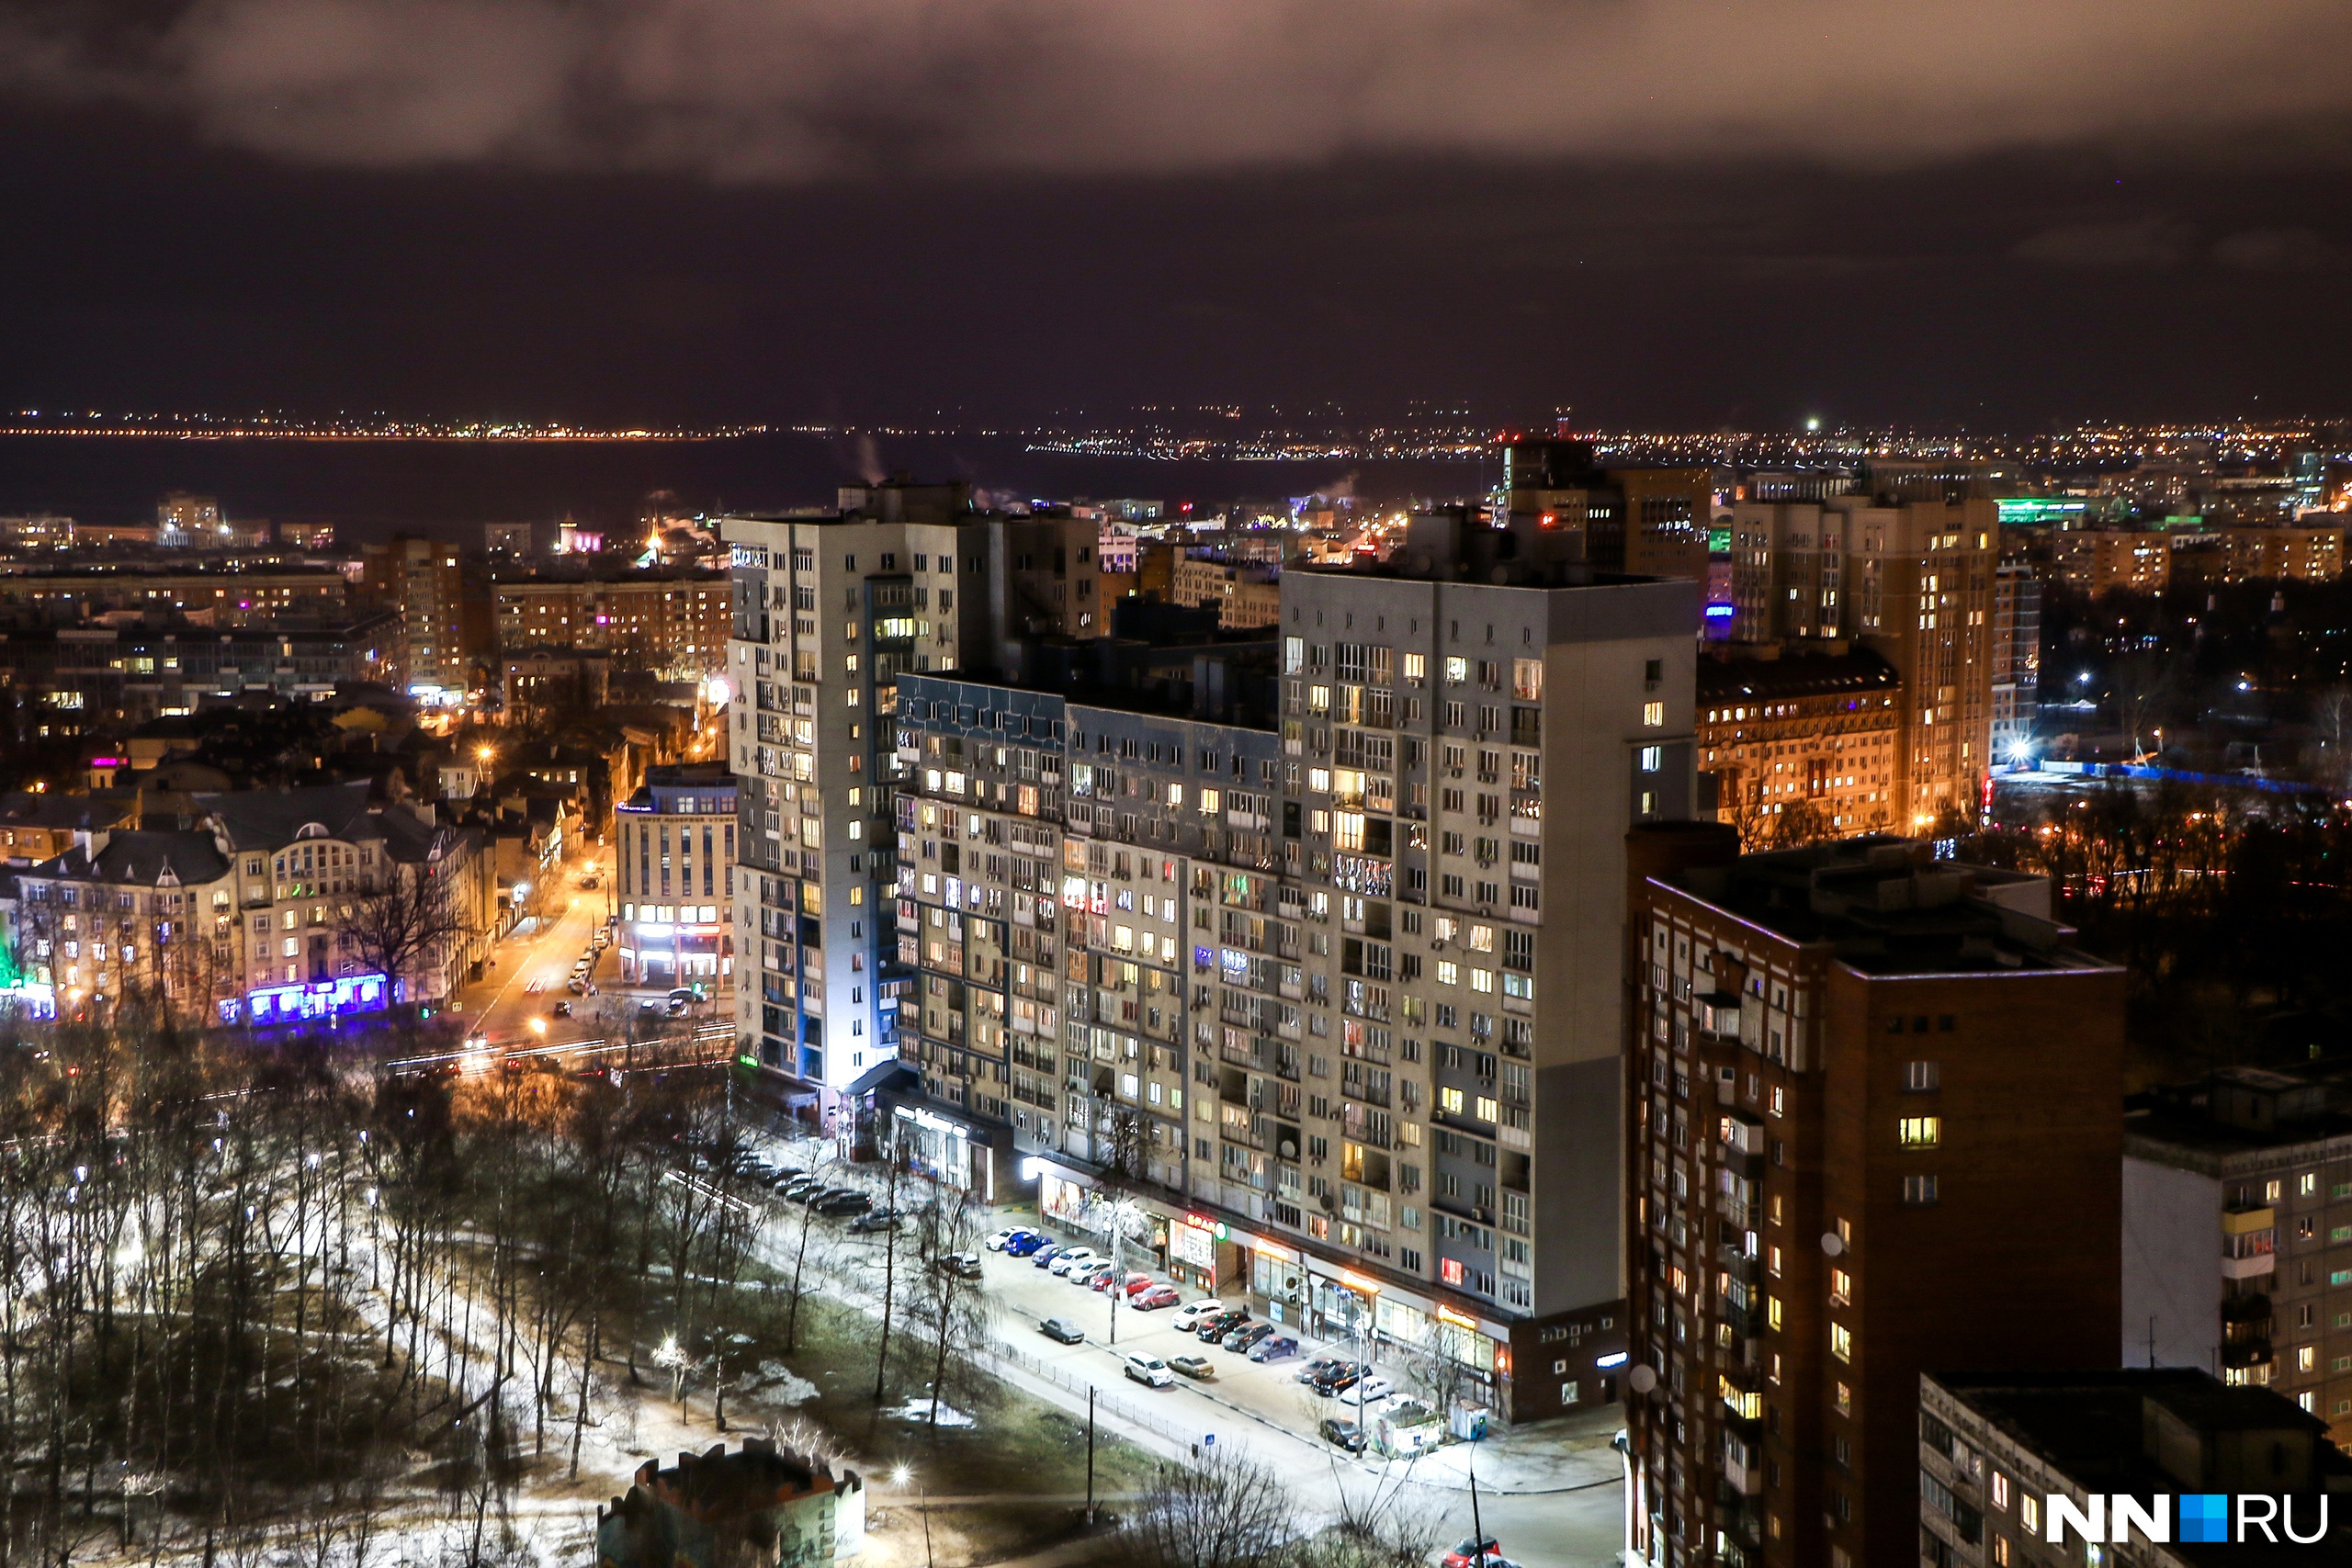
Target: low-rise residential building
x=2026 y=1470
x=39 y=825
x=1801 y=743
x=2237 y=1214
x=233 y=593
x=761 y=1506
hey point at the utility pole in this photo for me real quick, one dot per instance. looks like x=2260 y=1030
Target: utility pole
x=1090 y=1456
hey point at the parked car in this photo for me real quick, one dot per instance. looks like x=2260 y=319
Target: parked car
x=1213 y=1329
x=1325 y=1369
x=576 y=986
x=1244 y=1338
x=1024 y=1244
x=1343 y=1434
x=1140 y=1284
x=1088 y=1271
x=1111 y=1281
x=816 y=1192
x=1472 y=1553
x=962 y=1265
x=1190 y=1319
x=1157 y=1297
x=1338 y=1380
x=802 y=1184
x=875 y=1221
x=847 y=1203
x=1198 y=1367
x=1274 y=1347
x=1063 y=1329
x=1150 y=1371
x=999 y=1240
x=1370 y=1391
x=1043 y=1256
x=1064 y=1262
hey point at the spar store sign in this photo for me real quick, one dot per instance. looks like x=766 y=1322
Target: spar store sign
x=2193 y=1518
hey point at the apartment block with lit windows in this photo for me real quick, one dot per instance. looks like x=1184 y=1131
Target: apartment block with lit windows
x=1323 y=992
x=2017 y=658
x=1850 y=1071
x=2096 y=561
x=676 y=853
x=1911 y=581
x=2237 y=1213
x=1801 y=743
x=444 y=608
x=2296 y=551
x=674 y=621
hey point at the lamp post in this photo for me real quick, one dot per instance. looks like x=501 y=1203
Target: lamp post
x=922 y=1505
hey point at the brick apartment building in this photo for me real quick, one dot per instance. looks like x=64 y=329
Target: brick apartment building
x=1856 y=1079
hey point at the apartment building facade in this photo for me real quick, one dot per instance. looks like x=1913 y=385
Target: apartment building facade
x=2097 y=561
x=674 y=621
x=676 y=849
x=2237 y=1213
x=1270 y=993
x=1800 y=744
x=1912 y=581
x=255 y=913
x=2016 y=659
x=1840 y=1093
x=444 y=605
x=1244 y=594
x=829 y=608
x=1996 y=1448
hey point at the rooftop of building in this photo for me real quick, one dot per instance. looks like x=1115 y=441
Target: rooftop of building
x=138 y=858
x=1771 y=673
x=40 y=809
x=1889 y=909
x=2149 y=1431
x=272 y=818
x=2245 y=1110
x=1455 y=544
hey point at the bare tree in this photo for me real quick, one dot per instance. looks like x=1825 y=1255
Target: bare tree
x=1218 y=1510
x=949 y=1311
x=408 y=925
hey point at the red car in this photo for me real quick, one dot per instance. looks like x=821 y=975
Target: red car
x=1138 y=1284
x=1158 y=1296
x=1469 y=1554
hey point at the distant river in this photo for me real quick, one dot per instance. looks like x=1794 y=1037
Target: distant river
x=371 y=488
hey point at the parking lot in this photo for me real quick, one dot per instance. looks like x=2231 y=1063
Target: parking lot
x=1552 y=1492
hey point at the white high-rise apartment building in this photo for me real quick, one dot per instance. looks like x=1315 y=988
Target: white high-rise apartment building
x=829 y=608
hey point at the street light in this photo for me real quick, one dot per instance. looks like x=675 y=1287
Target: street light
x=900 y=1477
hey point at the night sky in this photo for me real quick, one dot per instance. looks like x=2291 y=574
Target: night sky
x=1655 y=212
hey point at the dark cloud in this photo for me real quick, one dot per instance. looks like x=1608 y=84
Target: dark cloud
x=2137 y=242
x=2278 y=250
x=791 y=89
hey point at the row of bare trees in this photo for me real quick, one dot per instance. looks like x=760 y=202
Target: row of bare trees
x=247 y=1287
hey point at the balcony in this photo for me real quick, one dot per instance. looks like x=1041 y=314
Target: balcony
x=1719 y=1014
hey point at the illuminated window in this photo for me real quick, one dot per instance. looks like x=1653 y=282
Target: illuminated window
x=1841 y=1342
x=1654 y=716
x=1921 y=1131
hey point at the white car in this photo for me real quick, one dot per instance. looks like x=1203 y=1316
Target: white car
x=1069 y=1261
x=1086 y=1273
x=996 y=1239
x=1371 y=1391
x=1190 y=1318
x=1150 y=1371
